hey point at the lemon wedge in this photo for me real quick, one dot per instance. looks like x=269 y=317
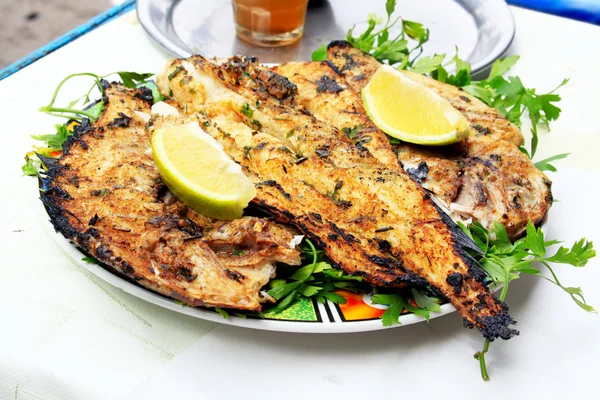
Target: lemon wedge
x=195 y=168
x=411 y=112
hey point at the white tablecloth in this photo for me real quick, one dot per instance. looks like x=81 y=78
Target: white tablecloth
x=65 y=334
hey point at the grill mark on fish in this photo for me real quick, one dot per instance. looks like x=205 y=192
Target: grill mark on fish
x=419 y=174
x=276 y=185
x=346 y=236
x=326 y=84
x=122 y=121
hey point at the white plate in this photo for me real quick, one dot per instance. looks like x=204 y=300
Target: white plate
x=481 y=29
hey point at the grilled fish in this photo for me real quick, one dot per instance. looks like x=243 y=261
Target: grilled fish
x=371 y=220
x=482 y=179
x=358 y=67
x=485 y=177
x=326 y=95
x=106 y=195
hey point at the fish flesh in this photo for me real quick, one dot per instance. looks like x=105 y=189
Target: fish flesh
x=105 y=194
x=371 y=220
x=484 y=178
x=326 y=95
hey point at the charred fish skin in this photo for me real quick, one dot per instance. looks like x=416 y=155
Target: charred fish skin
x=105 y=194
x=358 y=67
x=421 y=240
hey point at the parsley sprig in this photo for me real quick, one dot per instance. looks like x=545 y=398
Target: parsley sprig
x=75 y=111
x=507 y=95
x=318 y=279
x=415 y=302
x=505 y=261
x=380 y=44
x=130 y=80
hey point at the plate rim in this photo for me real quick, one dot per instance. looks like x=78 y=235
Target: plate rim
x=180 y=49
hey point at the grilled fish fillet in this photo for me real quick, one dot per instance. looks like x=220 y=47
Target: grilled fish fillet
x=371 y=220
x=106 y=195
x=482 y=179
x=358 y=67
x=326 y=95
x=485 y=177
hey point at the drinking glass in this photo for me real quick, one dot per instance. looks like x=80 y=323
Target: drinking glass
x=269 y=23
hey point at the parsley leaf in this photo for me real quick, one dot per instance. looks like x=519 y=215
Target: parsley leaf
x=502 y=66
x=505 y=261
x=55 y=141
x=320 y=54
x=428 y=64
x=381 y=44
x=246 y=110
x=396 y=305
x=131 y=79
x=425 y=302
x=31 y=167
x=318 y=279
x=578 y=256
x=423 y=305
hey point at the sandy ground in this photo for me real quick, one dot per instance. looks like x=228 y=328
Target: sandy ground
x=26 y=25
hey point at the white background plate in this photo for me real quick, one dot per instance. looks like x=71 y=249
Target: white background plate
x=481 y=29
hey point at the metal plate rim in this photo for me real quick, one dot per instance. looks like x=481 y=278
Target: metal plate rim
x=173 y=44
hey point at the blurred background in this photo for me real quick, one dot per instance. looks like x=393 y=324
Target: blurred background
x=29 y=24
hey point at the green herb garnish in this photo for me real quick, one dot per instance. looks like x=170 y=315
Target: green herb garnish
x=505 y=261
x=246 y=110
x=222 y=312
x=175 y=72
x=377 y=42
x=130 y=80
x=397 y=303
x=55 y=141
x=318 y=279
x=31 y=166
x=256 y=125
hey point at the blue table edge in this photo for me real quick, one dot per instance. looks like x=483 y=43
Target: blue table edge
x=68 y=37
